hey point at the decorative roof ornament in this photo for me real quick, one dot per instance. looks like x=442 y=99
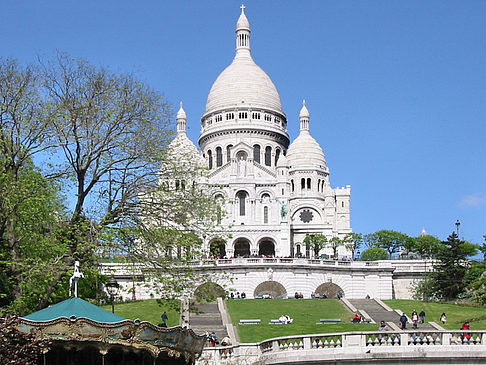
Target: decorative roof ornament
x=181 y=120
x=73 y=281
x=304 y=117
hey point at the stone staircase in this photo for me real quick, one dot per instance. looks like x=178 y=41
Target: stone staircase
x=207 y=318
x=378 y=313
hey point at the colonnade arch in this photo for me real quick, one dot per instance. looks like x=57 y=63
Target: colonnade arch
x=331 y=290
x=272 y=288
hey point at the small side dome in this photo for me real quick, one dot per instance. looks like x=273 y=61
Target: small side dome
x=305 y=151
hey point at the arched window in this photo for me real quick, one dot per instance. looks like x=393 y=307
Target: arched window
x=256 y=153
x=210 y=159
x=308 y=183
x=268 y=156
x=183 y=184
x=177 y=185
x=219 y=156
x=242 y=201
x=265 y=214
x=318 y=185
x=302 y=184
x=277 y=155
x=292 y=184
x=228 y=152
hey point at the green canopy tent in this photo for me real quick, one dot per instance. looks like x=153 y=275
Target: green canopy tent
x=74 y=308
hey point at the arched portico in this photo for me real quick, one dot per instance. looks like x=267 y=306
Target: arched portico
x=331 y=290
x=266 y=247
x=242 y=247
x=272 y=288
x=217 y=248
x=209 y=291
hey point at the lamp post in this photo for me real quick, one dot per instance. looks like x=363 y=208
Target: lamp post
x=426 y=294
x=112 y=286
x=458 y=224
x=358 y=254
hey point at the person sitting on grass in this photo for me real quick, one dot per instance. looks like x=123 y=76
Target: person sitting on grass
x=356 y=318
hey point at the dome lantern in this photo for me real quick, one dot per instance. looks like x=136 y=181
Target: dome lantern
x=181 y=120
x=304 y=117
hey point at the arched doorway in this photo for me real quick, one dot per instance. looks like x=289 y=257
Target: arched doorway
x=331 y=290
x=242 y=247
x=217 y=248
x=271 y=288
x=208 y=292
x=266 y=248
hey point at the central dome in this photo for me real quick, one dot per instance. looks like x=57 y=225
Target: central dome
x=243 y=83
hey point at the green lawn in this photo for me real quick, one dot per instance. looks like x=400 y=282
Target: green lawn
x=456 y=314
x=146 y=310
x=305 y=312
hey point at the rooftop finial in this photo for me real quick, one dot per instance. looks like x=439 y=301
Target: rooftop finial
x=180 y=104
x=243 y=7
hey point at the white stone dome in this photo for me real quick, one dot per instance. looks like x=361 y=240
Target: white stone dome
x=243 y=83
x=305 y=152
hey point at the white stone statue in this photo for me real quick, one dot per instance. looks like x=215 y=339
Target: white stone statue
x=73 y=281
x=241 y=166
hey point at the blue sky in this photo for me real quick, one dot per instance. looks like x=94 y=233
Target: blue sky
x=396 y=89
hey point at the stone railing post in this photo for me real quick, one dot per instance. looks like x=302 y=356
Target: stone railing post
x=483 y=339
x=307 y=343
x=403 y=339
x=446 y=338
x=275 y=346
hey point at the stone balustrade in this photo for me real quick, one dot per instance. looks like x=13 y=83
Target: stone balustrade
x=394 y=346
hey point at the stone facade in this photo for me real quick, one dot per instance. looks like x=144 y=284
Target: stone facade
x=274 y=192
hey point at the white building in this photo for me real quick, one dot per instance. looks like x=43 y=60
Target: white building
x=274 y=192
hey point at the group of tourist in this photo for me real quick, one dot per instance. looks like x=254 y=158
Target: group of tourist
x=298 y=295
x=238 y=295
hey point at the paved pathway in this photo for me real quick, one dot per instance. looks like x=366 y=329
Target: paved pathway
x=378 y=313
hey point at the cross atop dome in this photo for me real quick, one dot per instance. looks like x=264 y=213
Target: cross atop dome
x=242 y=7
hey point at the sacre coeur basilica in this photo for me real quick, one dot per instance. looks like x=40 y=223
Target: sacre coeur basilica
x=275 y=192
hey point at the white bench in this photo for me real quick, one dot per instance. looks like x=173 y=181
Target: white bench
x=329 y=321
x=250 y=321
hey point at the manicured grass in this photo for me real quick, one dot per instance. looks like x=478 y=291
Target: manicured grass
x=146 y=310
x=305 y=312
x=456 y=314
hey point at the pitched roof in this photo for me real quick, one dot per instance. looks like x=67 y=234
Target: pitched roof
x=74 y=307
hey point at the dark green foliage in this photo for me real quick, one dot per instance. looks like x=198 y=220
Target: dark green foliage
x=374 y=254
x=449 y=277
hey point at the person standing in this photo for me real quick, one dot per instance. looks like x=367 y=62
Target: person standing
x=422 y=316
x=164 y=319
x=403 y=321
x=443 y=318
x=465 y=327
x=383 y=327
x=415 y=319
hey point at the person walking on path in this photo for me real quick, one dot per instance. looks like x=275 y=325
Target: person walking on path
x=415 y=319
x=164 y=319
x=422 y=316
x=443 y=318
x=403 y=321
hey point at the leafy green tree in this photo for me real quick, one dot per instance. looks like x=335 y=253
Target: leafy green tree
x=449 y=277
x=354 y=242
x=316 y=242
x=424 y=245
x=476 y=282
x=389 y=240
x=374 y=254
